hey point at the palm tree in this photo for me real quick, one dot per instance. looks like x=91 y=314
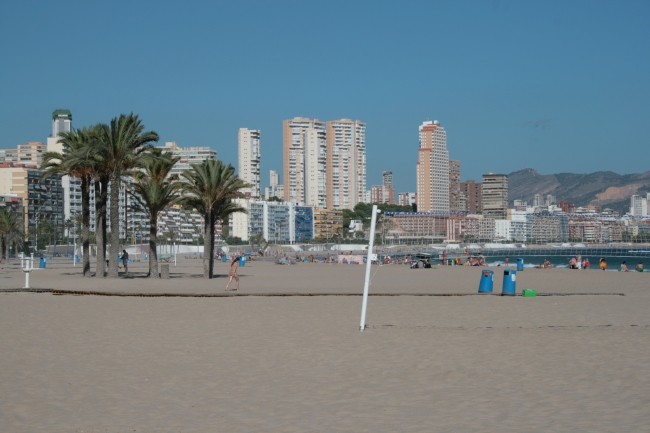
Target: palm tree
x=154 y=190
x=68 y=225
x=73 y=163
x=9 y=230
x=209 y=189
x=124 y=142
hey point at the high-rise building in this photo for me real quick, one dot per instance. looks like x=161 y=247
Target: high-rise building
x=61 y=122
x=346 y=163
x=387 y=179
x=454 y=186
x=432 y=169
x=495 y=194
x=42 y=198
x=188 y=155
x=639 y=205
x=294 y=135
x=406 y=198
x=31 y=153
x=249 y=160
x=473 y=192
x=315 y=163
x=276 y=189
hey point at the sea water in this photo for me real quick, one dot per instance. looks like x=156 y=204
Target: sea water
x=613 y=263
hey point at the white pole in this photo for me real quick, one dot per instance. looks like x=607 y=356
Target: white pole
x=74 y=253
x=362 y=325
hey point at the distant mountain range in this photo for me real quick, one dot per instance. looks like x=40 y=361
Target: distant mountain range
x=602 y=188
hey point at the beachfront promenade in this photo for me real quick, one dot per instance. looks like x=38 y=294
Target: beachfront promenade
x=299 y=363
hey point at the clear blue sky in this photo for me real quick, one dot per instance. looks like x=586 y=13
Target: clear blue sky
x=560 y=86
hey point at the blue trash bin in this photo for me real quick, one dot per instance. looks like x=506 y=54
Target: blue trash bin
x=487 y=281
x=224 y=258
x=509 y=283
x=520 y=264
x=242 y=261
x=42 y=263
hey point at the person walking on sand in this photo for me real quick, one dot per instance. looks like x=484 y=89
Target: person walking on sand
x=125 y=262
x=603 y=264
x=232 y=273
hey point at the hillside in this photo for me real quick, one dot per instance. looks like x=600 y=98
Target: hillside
x=603 y=188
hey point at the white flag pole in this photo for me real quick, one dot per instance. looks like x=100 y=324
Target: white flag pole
x=373 y=222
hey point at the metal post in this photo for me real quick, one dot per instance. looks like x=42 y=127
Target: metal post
x=364 y=305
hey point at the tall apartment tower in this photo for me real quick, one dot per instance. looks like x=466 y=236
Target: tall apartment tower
x=187 y=155
x=295 y=135
x=249 y=160
x=473 y=195
x=432 y=169
x=346 y=163
x=274 y=179
x=61 y=122
x=495 y=194
x=454 y=186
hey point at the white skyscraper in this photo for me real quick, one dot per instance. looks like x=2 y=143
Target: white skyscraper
x=249 y=160
x=639 y=205
x=275 y=189
x=61 y=122
x=296 y=132
x=432 y=169
x=346 y=163
x=315 y=160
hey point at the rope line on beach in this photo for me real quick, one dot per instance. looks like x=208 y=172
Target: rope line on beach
x=240 y=294
x=513 y=328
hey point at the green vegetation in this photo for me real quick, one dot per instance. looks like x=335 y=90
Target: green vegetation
x=156 y=190
x=209 y=188
x=107 y=153
x=363 y=212
x=9 y=233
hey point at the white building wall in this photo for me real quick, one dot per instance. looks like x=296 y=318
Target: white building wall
x=249 y=160
x=315 y=160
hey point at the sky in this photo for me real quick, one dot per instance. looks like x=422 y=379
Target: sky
x=558 y=86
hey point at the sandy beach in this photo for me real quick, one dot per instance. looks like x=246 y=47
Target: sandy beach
x=300 y=364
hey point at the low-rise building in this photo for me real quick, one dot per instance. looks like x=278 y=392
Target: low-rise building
x=277 y=222
x=327 y=223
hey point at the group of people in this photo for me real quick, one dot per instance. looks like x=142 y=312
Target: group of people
x=624 y=268
x=578 y=263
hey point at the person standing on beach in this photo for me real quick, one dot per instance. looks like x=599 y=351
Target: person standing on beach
x=507 y=260
x=603 y=264
x=579 y=261
x=232 y=273
x=125 y=262
x=587 y=264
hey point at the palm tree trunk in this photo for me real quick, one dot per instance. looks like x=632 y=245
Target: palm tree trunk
x=208 y=229
x=101 y=196
x=85 y=225
x=153 y=254
x=214 y=217
x=114 y=251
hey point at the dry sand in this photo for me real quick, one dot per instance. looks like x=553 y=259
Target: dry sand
x=300 y=364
